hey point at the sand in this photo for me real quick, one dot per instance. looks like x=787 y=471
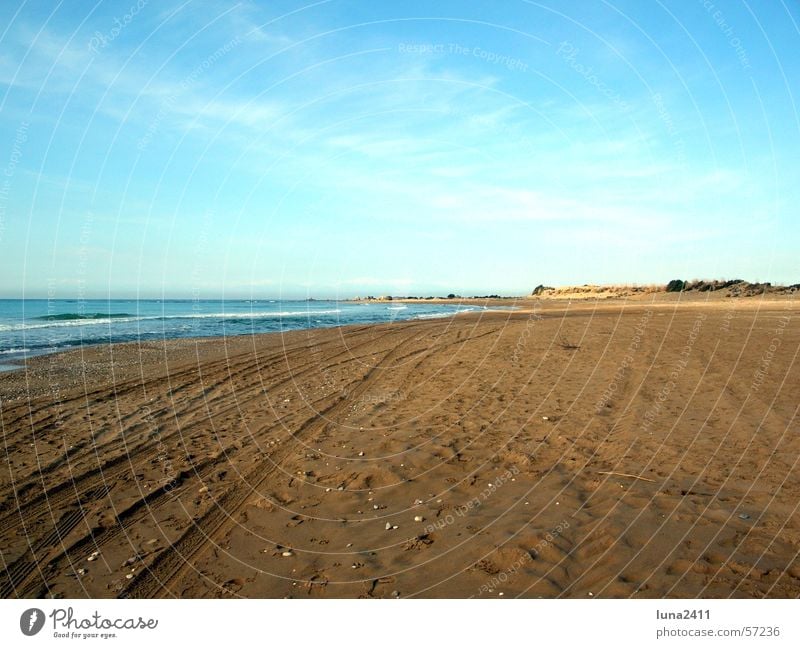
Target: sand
x=636 y=448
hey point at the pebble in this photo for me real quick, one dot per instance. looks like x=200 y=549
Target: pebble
x=81 y=572
x=744 y=516
x=388 y=526
x=128 y=576
x=395 y=594
x=204 y=489
x=545 y=418
x=361 y=454
x=375 y=506
x=287 y=554
x=418 y=518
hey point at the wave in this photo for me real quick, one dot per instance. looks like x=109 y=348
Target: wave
x=14 y=351
x=66 y=317
x=124 y=317
x=396 y=307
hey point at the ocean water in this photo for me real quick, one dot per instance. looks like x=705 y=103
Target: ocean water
x=36 y=326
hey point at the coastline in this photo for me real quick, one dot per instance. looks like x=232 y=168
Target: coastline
x=188 y=349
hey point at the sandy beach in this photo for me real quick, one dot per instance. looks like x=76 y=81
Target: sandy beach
x=641 y=447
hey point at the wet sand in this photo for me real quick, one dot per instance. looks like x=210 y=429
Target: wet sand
x=633 y=448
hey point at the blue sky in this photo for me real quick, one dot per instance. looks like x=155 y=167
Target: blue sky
x=346 y=148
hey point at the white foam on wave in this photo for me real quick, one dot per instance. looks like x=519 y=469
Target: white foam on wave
x=433 y=315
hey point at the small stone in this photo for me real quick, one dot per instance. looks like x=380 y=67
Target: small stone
x=744 y=516
x=395 y=594
x=204 y=489
x=375 y=507
x=287 y=554
x=128 y=576
x=418 y=518
x=388 y=526
x=394 y=527
x=545 y=418
x=81 y=572
x=349 y=544
x=361 y=454
x=327 y=490
x=91 y=558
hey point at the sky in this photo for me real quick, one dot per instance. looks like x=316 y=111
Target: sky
x=349 y=147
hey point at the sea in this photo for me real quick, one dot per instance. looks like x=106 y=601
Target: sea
x=32 y=327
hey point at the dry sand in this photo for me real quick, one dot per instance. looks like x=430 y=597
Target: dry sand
x=640 y=448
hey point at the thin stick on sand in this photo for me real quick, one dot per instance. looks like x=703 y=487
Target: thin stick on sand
x=619 y=474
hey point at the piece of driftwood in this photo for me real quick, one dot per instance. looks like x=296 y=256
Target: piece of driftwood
x=619 y=474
